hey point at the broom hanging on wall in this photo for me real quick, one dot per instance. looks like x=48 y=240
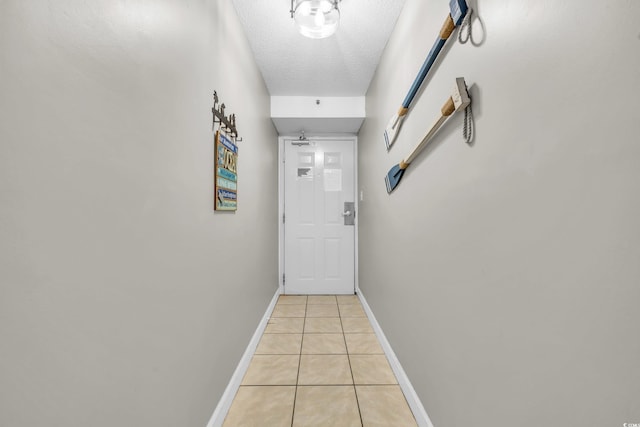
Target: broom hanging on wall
x=458 y=10
x=459 y=100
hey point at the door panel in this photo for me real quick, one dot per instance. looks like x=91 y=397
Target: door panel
x=319 y=247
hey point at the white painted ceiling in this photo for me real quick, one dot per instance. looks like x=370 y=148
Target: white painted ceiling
x=341 y=65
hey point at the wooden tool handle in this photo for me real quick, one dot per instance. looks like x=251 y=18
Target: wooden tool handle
x=447 y=28
x=447 y=109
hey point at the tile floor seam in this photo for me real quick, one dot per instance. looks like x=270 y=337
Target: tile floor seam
x=351 y=369
x=322 y=385
x=324 y=354
x=266 y=385
x=295 y=394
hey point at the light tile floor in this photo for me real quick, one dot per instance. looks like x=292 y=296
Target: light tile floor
x=319 y=363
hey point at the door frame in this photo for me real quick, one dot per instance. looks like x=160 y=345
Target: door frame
x=282 y=140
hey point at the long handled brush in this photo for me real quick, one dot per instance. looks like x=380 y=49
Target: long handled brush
x=458 y=10
x=459 y=100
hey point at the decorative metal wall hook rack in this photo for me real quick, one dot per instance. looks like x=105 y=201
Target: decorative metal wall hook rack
x=227 y=123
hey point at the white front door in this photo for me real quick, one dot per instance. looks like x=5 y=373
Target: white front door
x=319 y=208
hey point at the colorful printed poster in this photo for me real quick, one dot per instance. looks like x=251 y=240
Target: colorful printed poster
x=226 y=178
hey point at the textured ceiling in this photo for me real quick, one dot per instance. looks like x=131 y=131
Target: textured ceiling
x=341 y=65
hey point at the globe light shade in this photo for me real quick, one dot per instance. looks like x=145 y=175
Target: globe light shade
x=316 y=19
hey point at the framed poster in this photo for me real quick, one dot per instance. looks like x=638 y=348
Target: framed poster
x=226 y=175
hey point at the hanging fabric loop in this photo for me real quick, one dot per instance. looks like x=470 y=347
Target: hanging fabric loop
x=465 y=28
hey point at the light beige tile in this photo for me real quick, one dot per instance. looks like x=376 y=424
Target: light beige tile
x=289 y=310
x=384 y=406
x=324 y=369
x=371 y=369
x=348 y=299
x=352 y=310
x=292 y=299
x=261 y=406
x=284 y=325
x=322 y=310
x=363 y=344
x=322 y=325
x=356 y=325
x=323 y=344
x=279 y=344
x=272 y=370
x=322 y=406
x=322 y=299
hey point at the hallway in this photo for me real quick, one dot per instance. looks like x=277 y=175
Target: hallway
x=319 y=363
x=503 y=269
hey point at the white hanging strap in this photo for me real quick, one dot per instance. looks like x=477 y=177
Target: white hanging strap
x=465 y=27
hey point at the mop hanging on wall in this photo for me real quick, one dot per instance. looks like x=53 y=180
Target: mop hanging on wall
x=459 y=100
x=458 y=10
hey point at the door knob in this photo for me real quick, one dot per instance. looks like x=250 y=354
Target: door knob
x=349 y=213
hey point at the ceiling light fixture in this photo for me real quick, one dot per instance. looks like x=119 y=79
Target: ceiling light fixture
x=316 y=19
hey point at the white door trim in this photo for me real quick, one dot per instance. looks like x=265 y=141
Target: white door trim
x=281 y=145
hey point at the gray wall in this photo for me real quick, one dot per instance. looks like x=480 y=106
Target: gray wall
x=506 y=275
x=124 y=300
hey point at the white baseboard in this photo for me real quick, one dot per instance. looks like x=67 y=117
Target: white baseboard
x=236 y=379
x=410 y=394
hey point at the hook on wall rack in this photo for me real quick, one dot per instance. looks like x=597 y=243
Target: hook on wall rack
x=227 y=123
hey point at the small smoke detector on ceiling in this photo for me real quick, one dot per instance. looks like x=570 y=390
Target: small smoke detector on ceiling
x=316 y=19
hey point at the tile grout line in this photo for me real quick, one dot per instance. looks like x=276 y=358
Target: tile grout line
x=295 y=394
x=355 y=391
